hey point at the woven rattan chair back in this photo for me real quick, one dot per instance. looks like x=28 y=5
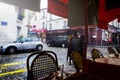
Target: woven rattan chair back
x=111 y=50
x=43 y=65
x=117 y=49
x=77 y=60
x=95 y=53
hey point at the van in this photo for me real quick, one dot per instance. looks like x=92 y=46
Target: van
x=58 y=41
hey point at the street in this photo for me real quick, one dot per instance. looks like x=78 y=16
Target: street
x=13 y=66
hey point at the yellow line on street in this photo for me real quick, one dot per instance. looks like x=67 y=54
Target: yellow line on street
x=11 y=64
x=13 y=72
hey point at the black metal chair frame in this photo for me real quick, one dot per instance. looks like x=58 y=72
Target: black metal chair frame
x=45 y=70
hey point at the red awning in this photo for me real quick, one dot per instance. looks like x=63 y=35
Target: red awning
x=58 y=7
x=34 y=30
x=108 y=11
x=64 y=1
x=38 y=30
x=118 y=19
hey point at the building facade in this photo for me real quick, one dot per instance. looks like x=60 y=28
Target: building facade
x=8 y=17
x=54 y=25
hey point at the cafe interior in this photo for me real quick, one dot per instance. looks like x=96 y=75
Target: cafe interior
x=84 y=13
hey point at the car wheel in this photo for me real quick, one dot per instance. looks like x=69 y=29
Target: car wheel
x=11 y=50
x=39 y=48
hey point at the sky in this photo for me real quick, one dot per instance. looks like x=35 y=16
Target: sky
x=44 y=3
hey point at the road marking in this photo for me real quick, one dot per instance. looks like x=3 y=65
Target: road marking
x=11 y=64
x=13 y=72
x=3 y=66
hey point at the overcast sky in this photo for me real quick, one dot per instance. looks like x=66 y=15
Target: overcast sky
x=44 y=3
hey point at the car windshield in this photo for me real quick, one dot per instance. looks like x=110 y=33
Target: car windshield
x=35 y=39
x=27 y=39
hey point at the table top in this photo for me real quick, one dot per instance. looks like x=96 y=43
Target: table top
x=115 y=61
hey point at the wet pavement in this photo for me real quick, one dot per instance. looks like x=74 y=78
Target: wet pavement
x=13 y=66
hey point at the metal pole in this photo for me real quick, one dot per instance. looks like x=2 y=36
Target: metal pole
x=86 y=35
x=86 y=28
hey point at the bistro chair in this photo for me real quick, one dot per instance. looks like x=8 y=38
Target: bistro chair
x=117 y=49
x=95 y=53
x=42 y=65
x=112 y=51
x=77 y=60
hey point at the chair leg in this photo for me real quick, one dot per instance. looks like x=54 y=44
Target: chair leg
x=60 y=73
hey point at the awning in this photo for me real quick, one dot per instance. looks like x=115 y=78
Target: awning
x=26 y=4
x=58 y=7
x=74 y=10
x=39 y=30
x=108 y=11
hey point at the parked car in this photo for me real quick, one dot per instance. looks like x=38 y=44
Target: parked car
x=22 y=44
x=59 y=41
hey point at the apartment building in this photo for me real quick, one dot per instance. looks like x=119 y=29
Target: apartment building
x=8 y=17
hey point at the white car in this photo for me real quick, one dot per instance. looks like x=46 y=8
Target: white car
x=21 y=45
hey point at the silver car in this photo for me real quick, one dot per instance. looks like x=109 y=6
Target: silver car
x=22 y=44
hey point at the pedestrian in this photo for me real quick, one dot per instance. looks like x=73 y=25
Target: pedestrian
x=78 y=44
x=70 y=49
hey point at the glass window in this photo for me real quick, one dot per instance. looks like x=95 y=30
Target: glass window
x=28 y=40
x=43 y=14
x=64 y=24
x=50 y=26
x=43 y=25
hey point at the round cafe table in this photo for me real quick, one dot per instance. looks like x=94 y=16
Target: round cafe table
x=114 y=61
x=107 y=68
x=83 y=76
